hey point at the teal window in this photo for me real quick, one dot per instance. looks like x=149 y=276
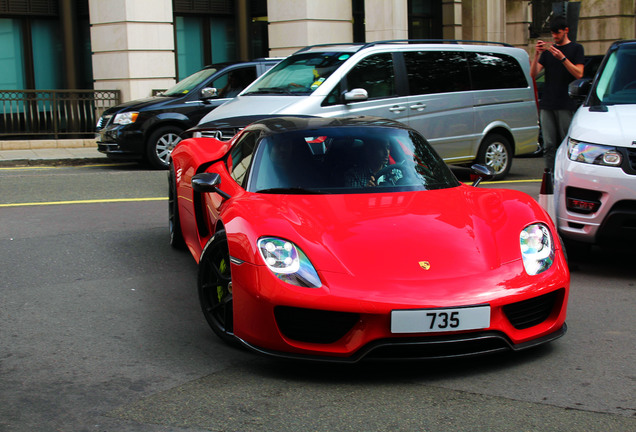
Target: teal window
x=47 y=55
x=11 y=55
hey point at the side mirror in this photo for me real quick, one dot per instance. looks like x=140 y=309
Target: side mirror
x=357 y=94
x=482 y=172
x=208 y=183
x=580 y=88
x=209 y=93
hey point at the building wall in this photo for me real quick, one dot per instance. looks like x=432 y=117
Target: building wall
x=133 y=40
x=294 y=24
x=133 y=46
x=602 y=22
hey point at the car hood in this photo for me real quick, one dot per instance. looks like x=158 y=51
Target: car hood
x=454 y=232
x=253 y=105
x=616 y=126
x=139 y=104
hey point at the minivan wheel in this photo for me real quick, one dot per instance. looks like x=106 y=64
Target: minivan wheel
x=160 y=145
x=496 y=152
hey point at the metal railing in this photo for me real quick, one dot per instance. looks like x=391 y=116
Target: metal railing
x=53 y=113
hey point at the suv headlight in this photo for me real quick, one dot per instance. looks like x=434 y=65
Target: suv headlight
x=126 y=118
x=537 y=248
x=596 y=154
x=288 y=262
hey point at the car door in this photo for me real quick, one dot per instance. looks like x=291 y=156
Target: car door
x=377 y=75
x=440 y=105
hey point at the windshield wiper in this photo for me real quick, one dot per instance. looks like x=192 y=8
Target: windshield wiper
x=268 y=90
x=291 y=190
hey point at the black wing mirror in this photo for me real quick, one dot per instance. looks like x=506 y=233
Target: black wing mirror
x=482 y=172
x=208 y=183
x=580 y=88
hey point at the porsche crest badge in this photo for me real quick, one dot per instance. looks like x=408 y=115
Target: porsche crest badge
x=425 y=265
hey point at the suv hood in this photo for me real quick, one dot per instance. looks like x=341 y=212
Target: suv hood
x=616 y=126
x=253 y=105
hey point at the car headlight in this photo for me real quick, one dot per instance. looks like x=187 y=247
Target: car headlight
x=288 y=262
x=126 y=118
x=593 y=153
x=537 y=248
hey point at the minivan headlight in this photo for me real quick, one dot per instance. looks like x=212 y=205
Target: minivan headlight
x=596 y=154
x=126 y=118
x=288 y=262
x=537 y=248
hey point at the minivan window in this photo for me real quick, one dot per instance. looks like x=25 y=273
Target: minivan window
x=617 y=81
x=299 y=74
x=490 y=71
x=374 y=74
x=185 y=85
x=436 y=72
x=233 y=82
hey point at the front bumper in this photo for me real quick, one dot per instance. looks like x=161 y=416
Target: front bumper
x=322 y=324
x=121 y=142
x=611 y=189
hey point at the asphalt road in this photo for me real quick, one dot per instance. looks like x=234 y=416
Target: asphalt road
x=100 y=330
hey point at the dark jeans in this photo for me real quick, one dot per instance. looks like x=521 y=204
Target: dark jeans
x=554 y=128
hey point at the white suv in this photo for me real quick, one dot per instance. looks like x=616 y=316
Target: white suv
x=595 y=168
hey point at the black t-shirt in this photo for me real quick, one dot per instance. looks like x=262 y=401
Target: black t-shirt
x=555 y=92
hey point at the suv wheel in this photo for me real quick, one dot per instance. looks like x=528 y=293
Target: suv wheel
x=160 y=145
x=496 y=152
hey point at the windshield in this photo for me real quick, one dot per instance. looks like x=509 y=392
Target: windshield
x=617 y=81
x=299 y=74
x=185 y=85
x=347 y=160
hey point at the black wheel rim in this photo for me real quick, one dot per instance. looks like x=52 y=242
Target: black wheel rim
x=216 y=288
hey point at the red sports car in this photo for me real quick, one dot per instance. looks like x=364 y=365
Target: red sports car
x=343 y=239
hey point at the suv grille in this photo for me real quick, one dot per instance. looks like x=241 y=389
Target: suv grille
x=528 y=313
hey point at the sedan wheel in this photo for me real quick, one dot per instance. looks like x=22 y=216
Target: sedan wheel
x=215 y=287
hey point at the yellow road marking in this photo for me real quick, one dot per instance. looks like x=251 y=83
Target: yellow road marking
x=95 y=201
x=44 y=167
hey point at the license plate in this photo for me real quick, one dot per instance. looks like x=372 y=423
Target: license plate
x=440 y=320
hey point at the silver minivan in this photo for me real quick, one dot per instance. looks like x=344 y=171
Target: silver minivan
x=472 y=102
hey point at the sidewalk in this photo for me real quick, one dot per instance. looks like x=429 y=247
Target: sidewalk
x=51 y=156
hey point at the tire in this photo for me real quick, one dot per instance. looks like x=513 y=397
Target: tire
x=215 y=287
x=160 y=145
x=496 y=152
x=174 y=222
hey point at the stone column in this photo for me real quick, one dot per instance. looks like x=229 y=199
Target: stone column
x=386 y=20
x=452 y=20
x=133 y=46
x=294 y=24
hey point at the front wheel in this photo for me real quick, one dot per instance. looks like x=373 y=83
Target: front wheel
x=496 y=152
x=160 y=145
x=215 y=287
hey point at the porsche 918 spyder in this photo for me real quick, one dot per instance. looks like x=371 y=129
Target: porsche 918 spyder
x=343 y=239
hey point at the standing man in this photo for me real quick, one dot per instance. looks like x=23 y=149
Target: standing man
x=563 y=62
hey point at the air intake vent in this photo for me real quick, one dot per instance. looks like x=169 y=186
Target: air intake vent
x=528 y=313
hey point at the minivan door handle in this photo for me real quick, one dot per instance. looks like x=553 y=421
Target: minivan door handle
x=419 y=106
x=397 y=109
